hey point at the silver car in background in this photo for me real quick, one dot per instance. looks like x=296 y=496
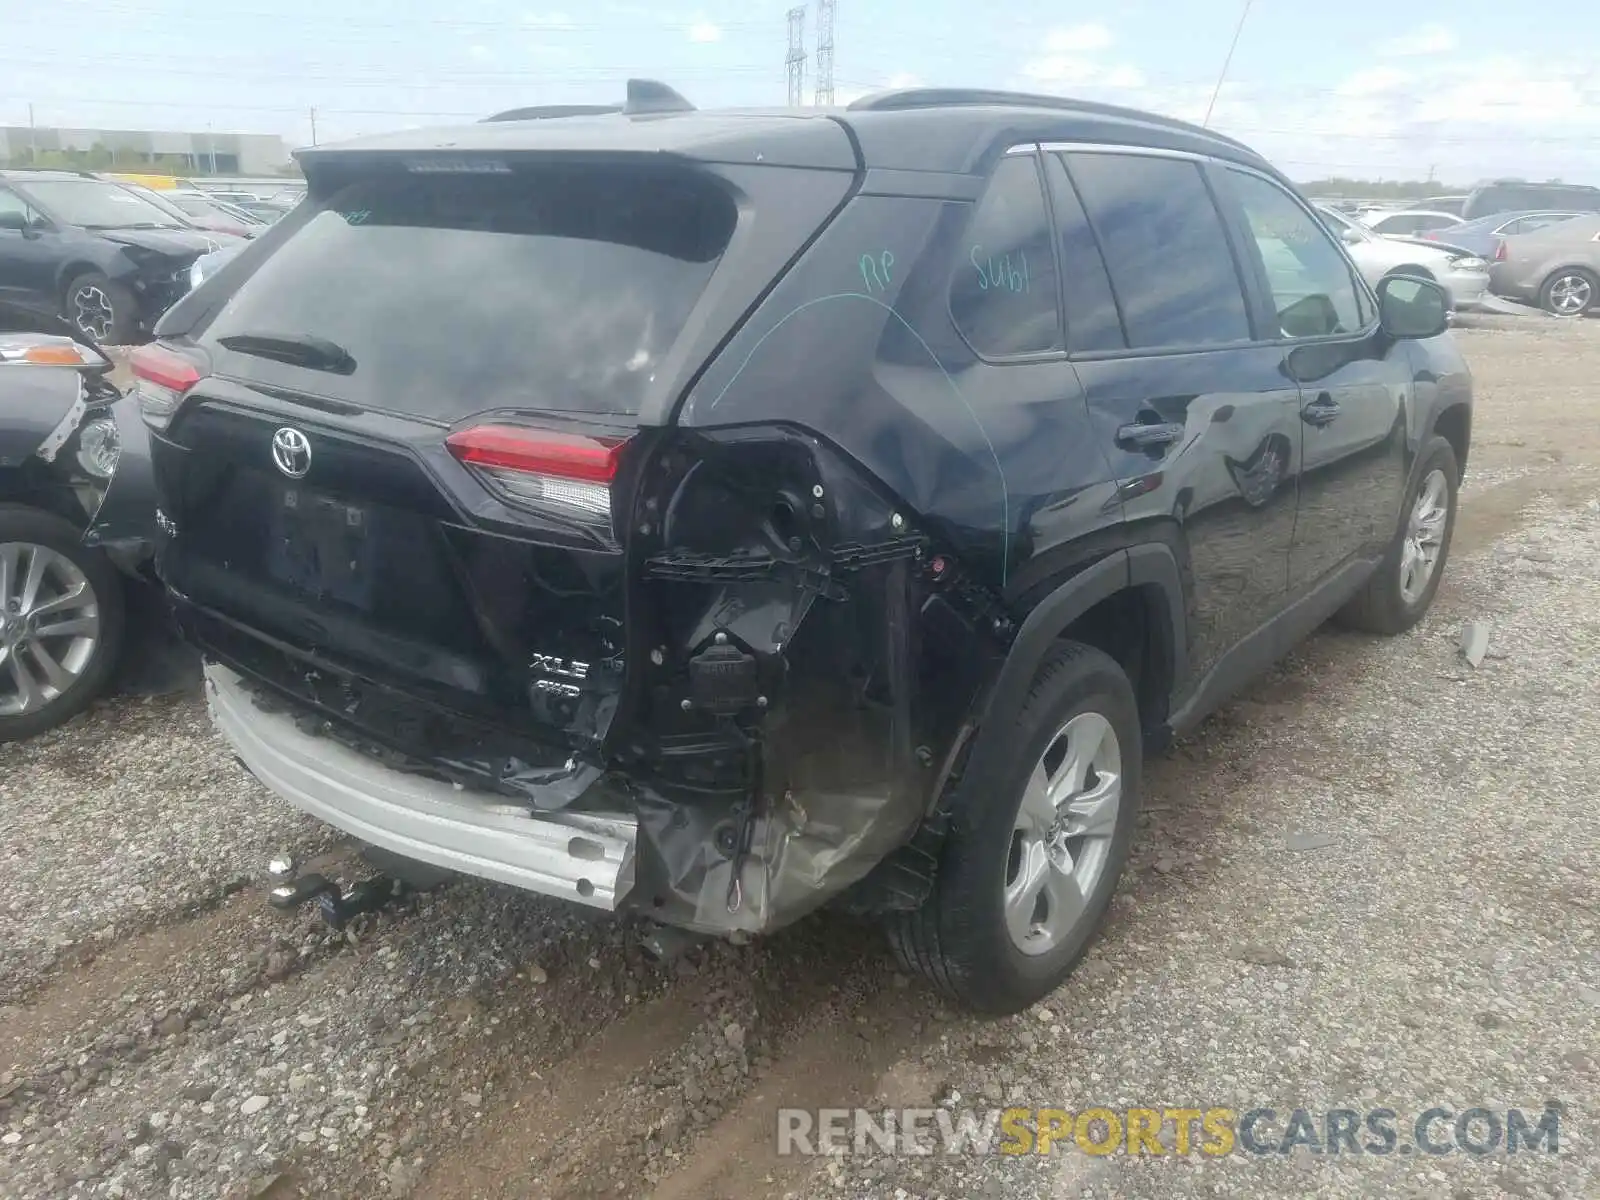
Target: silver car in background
x=1462 y=273
x=1557 y=267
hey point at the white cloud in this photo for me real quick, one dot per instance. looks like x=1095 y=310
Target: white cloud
x=704 y=32
x=1077 y=39
x=548 y=20
x=1071 y=58
x=1429 y=39
x=481 y=53
x=1375 y=81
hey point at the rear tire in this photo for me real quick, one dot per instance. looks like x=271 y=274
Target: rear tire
x=984 y=937
x=1570 y=292
x=1397 y=596
x=104 y=311
x=75 y=670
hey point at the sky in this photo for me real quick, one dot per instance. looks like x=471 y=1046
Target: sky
x=1456 y=90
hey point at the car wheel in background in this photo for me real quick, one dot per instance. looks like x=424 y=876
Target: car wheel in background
x=61 y=621
x=1570 y=292
x=101 y=310
x=1026 y=874
x=1402 y=588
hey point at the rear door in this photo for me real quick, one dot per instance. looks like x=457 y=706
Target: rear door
x=1355 y=383
x=1191 y=406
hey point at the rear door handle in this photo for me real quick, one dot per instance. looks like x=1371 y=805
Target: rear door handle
x=1148 y=437
x=1321 y=411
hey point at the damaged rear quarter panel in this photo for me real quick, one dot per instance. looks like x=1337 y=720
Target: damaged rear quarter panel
x=792 y=704
x=851 y=497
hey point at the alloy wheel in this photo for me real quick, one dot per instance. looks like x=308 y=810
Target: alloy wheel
x=1424 y=536
x=92 y=312
x=1571 y=295
x=1062 y=839
x=49 y=626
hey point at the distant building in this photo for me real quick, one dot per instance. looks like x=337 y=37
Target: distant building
x=132 y=149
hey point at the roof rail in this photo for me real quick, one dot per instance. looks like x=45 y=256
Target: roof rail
x=545 y=112
x=81 y=172
x=908 y=99
x=649 y=96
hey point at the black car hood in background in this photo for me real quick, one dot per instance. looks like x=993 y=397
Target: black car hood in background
x=34 y=401
x=179 y=243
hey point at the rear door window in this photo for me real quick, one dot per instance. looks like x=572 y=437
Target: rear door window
x=1166 y=249
x=1092 y=319
x=554 y=288
x=1003 y=295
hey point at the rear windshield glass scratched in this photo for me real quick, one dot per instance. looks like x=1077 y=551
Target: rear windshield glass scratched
x=556 y=288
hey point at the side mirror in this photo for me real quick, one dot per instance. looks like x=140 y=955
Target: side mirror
x=1351 y=237
x=10 y=219
x=1412 y=308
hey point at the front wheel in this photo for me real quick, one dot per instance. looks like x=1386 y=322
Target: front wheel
x=1027 y=872
x=102 y=310
x=1402 y=588
x=61 y=622
x=1569 y=293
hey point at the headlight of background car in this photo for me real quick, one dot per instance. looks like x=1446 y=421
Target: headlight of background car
x=1469 y=262
x=99 y=447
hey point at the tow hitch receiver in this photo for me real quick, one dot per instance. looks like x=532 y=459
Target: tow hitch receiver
x=336 y=907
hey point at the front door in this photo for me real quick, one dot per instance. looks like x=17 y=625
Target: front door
x=1355 y=383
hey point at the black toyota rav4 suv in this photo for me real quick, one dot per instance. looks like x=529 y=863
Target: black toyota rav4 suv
x=715 y=515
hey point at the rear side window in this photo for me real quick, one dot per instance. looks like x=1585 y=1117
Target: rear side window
x=554 y=288
x=1003 y=293
x=1166 y=248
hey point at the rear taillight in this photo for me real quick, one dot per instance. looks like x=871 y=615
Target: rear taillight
x=1500 y=250
x=162 y=378
x=565 y=474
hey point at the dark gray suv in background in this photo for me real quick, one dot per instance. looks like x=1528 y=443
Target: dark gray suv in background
x=714 y=515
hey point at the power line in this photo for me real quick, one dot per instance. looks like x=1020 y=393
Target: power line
x=1226 y=63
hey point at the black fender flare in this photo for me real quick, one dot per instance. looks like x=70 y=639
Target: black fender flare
x=1152 y=566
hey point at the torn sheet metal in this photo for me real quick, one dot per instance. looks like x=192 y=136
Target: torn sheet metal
x=125 y=521
x=40 y=408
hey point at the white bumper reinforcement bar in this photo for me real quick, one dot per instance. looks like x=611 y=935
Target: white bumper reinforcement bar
x=574 y=856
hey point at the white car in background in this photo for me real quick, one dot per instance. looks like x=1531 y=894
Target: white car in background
x=1407 y=222
x=1460 y=272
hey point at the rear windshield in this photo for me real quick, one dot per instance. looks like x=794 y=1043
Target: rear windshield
x=557 y=288
x=1503 y=197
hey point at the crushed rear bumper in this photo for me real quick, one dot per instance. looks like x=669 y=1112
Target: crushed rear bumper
x=585 y=857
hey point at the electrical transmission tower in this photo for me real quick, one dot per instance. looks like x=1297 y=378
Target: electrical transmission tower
x=796 y=60
x=824 y=52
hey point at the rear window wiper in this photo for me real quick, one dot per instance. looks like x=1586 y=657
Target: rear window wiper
x=296 y=349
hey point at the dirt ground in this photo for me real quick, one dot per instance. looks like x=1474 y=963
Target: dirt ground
x=1372 y=880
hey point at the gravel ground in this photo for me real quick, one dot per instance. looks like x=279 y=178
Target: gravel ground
x=1368 y=882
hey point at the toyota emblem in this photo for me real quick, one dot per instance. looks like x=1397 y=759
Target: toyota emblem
x=291 y=451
